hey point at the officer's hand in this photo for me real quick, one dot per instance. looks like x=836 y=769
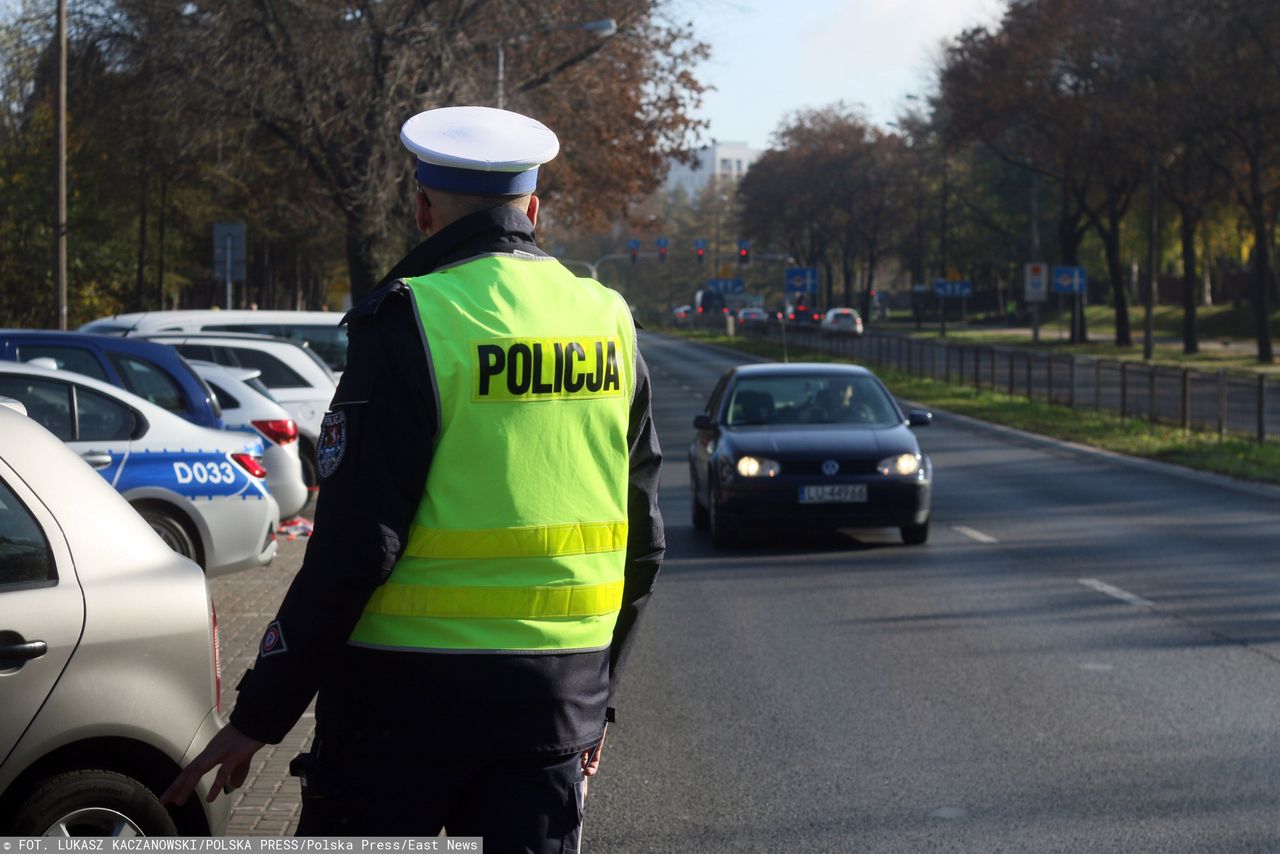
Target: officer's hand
x=230 y=751
x=591 y=758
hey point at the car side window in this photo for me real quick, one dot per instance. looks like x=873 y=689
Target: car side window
x=149 y=382
x=275 y=373
x=225 y=398
x=76 y=359
x=102 y=419
x=713 y=402
x=25 y=557
x=48 y=402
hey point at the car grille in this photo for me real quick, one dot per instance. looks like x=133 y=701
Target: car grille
x=805 y=468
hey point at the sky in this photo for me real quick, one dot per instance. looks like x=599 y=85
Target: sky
x=772 y=57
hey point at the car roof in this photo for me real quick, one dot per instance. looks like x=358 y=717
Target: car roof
x=134 y=346
x=157 y=416
x=224 y=336
x=780 y=369
x=142 y=319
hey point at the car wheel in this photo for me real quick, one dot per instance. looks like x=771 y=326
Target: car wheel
x=308 y=456
x=915 y=535
x=701 y=518
x=93 y=803
x=721 y=535
x=171 y=529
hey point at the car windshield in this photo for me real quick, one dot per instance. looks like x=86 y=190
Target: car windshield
x=811 y=399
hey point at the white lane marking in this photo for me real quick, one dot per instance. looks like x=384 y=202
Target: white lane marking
x=1096 y=667
x=974 y=535
x=1116 y=592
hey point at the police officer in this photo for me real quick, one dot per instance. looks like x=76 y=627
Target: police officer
x=486 y=534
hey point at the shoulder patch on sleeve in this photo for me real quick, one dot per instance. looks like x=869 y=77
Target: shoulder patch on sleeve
x=368 y=306
x=332 y=446
x=272 y=640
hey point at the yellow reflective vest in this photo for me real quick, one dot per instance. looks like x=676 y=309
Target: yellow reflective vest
x=519 y=541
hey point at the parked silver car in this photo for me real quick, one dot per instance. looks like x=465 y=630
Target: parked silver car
x=108 y=654
x=248 y=406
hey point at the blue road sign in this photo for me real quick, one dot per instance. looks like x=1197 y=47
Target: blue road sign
x=662 y=243
x=1069 y=280
x=633 y=244
x=802 y=280
x=699 y=244
x=952 y=288
x=726 y=286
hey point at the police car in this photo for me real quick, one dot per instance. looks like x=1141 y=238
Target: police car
x=201 y=490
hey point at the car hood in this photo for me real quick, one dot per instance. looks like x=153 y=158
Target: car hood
x=837 y=440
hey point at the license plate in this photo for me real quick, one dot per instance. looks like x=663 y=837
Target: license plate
x=847 y=493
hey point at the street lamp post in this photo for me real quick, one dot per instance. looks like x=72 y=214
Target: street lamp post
x=604 y=28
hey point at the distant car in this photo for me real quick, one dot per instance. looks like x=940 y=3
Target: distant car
x=808 y=446
x=708 y=303
x=841 y=321
x=752 y=316
x=682 y=312
x=299 y=380
x=247 y=406
x=152 y=371
x=201 y=490
x=108 y=655
x=802 y=314
x=317 y=329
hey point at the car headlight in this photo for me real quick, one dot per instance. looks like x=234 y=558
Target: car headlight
x=758 y=467
x=903 y=465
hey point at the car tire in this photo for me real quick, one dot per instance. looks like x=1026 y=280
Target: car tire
x=171 y=529
x=93 y=802
x=307 y=455
x=915 y=535
x=722 y=537
x=701 y=518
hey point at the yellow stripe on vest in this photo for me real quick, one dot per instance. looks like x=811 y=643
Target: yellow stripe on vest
x=496 y=603
x=535 y=541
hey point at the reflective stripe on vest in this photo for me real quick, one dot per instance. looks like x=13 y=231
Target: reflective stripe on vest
x=519 y=541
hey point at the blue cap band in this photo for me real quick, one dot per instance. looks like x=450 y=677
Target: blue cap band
x=451 y=179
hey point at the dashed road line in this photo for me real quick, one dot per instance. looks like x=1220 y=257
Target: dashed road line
x=1116 y=593
x=974 y=534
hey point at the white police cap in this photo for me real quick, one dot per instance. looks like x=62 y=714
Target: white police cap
x=478 y=150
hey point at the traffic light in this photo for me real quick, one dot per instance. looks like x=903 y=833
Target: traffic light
x=633 y=246
x=744 y=252
x=635 y=255
x=701 y=253
x=662 y=254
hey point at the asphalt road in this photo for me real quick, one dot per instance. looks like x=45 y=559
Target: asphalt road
x=1085 y=657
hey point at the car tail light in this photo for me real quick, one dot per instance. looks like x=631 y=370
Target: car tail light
x=217 y=660
x=699 y=309
x=791 y=316
x=281 y=431
x=251 y=464
x=724 y=311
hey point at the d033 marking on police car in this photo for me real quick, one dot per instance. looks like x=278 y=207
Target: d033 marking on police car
x=332 y=446
x=529 y=369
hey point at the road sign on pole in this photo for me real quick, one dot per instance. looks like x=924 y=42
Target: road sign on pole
x=802 y=280
x=1036 y=281
x=726 y=286
x=1069 y=280
x=952 y=288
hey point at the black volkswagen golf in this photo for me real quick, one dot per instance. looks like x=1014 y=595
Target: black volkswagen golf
x=804 y=447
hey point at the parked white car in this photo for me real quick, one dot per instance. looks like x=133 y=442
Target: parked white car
x=202 y=490
x=247 y=405
x=318 y=329
x=108 y=655
x=298 y=379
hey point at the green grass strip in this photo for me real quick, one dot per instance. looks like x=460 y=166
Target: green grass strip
x=1234 y=455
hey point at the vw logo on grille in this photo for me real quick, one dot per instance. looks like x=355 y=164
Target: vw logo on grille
x=830 y=468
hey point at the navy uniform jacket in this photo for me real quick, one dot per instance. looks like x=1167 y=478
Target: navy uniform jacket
x=438 y=703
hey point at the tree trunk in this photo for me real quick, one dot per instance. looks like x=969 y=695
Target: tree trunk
x=1190 y=281
x=361 y=264
x=1070 y=236
x=160 y=214
x=1115 y=271
x=1262 y=286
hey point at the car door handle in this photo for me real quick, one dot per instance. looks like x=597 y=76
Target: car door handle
x=13 y=654
x=97 y=459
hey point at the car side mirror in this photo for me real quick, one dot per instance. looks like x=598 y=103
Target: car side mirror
x=703 y=421
x=919 y=418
